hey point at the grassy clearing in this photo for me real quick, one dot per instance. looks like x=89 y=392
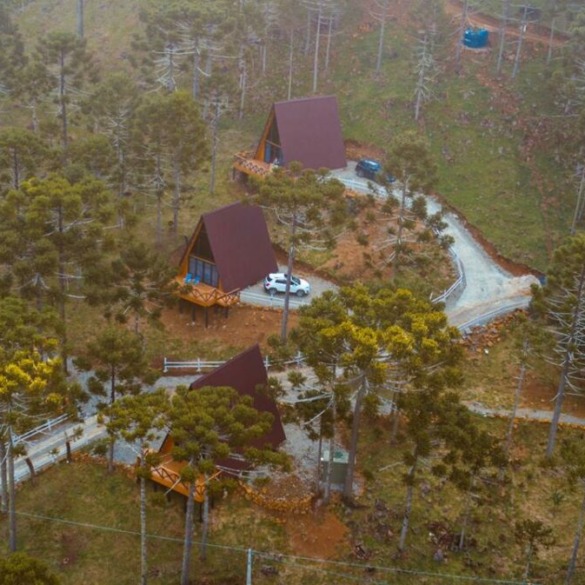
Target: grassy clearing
x=74 y=526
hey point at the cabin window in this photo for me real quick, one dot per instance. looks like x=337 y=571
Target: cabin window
x=202 y=249
x=204 y=271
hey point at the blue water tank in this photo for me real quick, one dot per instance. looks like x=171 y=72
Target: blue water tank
x=476 y=38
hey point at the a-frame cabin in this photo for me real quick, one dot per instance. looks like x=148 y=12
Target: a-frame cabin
x=229 y=250
x=247 y=375
x=305 y=130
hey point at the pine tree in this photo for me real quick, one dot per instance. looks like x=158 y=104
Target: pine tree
x=573 y=454
x=120 y=367
x=378 y=338
x=309 y=204
x=561 y=306
x=32 y=386
x=207 y=425
x=69 y=64
x=169 y=137
x=139 y=420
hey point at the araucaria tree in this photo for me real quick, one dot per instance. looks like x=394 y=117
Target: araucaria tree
x=409 y=160
x=120 y=367
x=69 y=65
x=31 y=386
x=168 y=137
x=133 y=287
x=573 y=453
x=310 y=205
x=207 y=425
x=561 y=306
x=50 y=231
x=380 y=338
x=139 y=420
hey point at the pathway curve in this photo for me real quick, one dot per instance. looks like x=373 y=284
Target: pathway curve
x=489 y=289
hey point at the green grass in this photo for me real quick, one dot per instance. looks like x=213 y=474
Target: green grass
x=83 y=523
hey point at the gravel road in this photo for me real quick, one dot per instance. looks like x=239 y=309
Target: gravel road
x=489 y=290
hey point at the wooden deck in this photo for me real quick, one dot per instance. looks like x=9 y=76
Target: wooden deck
x=244 y=163
x=206 y=295
x=168 y=474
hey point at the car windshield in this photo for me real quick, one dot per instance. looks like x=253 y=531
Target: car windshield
x=295 y=280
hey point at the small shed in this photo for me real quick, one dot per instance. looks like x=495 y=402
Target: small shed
x=245 y=373
x=229 y=250
x=306 y=130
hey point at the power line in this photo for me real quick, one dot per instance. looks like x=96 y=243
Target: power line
x=289 y=560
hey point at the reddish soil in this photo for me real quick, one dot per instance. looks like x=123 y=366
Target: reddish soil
x=540 y=395
x=244 y=326
x=318 y=535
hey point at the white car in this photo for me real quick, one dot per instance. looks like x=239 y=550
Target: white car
x=276 y=283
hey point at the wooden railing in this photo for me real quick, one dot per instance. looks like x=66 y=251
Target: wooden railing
x=245 y=163
x=206 y=295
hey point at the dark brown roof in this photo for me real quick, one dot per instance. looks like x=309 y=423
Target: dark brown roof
x=245 y=373
x=310 y=132
x=240 y=244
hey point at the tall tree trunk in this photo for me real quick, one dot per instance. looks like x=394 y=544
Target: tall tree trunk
x=529 y=554
x=177 y=193
x=319 y=454
x=242 y=83
x=408 y=505
x=308 y=33
x=398 y=247
x=159 y=197
x=466 y=513
x=290 y=64
x=328 y=49
x=316 y=56
x=578 y=214
x=503 y=26
x=196 y=72
x=291 y=258
x=188 y=539
x=462 y=25
x=215 y=128
x=355 y=429
x=205 y=526
x=523 y=24
x=11 y=495
x=143 y=539
x=62 y=290
x=329 y=466
x=517 y=394
x=63 y=108
x=577 y=541
x=550 y=40
x=112 y=445
x=80 y=19
x=3 y=477
x=15 y=169
x=565 y=371
x=381 y=44
x=34 y=117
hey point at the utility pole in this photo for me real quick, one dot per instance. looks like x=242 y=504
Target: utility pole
x=249 y=568
x=523 y=25
x=503 y=26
